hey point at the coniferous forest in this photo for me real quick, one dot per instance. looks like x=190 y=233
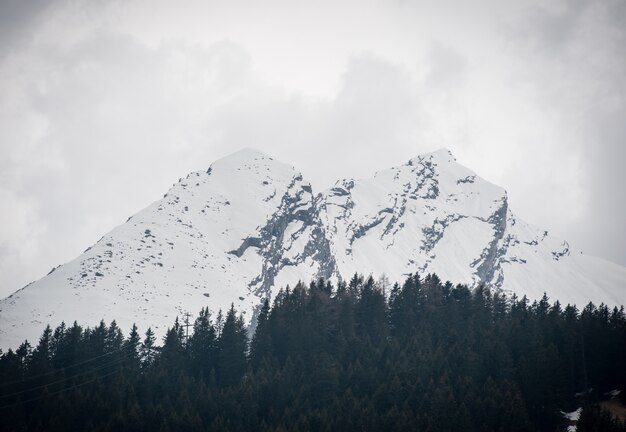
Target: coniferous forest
x=363 y=356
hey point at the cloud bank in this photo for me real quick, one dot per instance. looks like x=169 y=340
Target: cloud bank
x=104 y=104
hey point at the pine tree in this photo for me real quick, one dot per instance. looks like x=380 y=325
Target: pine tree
x=203 y=344
x=23 y=353
x=456 y=360
x=70 y=348
x=132 y=345
x=97 y=340
x=173 y=351
x=114 y=338
x=371 y=311
x=148 y=349
x=232 y=349
x=261 y=345
x=41 y=360
x=57 y=342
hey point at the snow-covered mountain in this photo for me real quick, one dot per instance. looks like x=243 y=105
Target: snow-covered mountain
x=433 y=215
x=249 y=225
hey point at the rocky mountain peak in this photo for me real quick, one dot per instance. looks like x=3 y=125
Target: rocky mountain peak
x=249 y=225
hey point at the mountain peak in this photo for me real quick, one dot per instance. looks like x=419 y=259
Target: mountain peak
x=250 y=160
x=251 y=225
x=249 y=152
x=442 y=155
x=247 y=168
x=243 y=156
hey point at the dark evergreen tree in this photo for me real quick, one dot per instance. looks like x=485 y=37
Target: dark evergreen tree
x=261 y=345
x=203 y=348
x=148 y=349
x=173 y=350
x=434 y=357
x=41 y=360
x=132 y=347
x=232 y=345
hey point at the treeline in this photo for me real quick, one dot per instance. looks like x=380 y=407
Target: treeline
x=423 y=356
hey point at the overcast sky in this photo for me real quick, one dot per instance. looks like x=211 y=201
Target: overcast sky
x=104 y=104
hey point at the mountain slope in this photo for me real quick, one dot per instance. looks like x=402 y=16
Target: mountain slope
x=433 y=215
x=250 y=225
x=217 y=237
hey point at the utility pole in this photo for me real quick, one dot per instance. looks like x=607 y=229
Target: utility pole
x=187 y=325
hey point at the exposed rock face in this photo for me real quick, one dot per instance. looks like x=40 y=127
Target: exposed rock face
x=250 y=225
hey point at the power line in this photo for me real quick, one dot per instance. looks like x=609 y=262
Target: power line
x=30 y=378
x=84 y=373
x=58 y=391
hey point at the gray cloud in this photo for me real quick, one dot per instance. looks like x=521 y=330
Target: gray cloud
x=102 y=109
x=17 y=21
x=578 y=70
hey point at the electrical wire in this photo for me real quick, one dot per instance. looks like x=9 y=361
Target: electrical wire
x=64 y=368
x=58 y=391
x=71 y=377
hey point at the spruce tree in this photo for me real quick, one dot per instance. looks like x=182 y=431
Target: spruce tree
x=148 y=349
x=232 y=346
x=203 y=344
x=261 y=345
x=132 y=347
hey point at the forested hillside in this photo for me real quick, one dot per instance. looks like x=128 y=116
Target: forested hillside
x=422 y=355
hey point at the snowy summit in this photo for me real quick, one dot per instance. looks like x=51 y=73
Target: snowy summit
x=249 y=225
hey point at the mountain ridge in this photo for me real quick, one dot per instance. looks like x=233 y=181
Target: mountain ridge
x=249 y=225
